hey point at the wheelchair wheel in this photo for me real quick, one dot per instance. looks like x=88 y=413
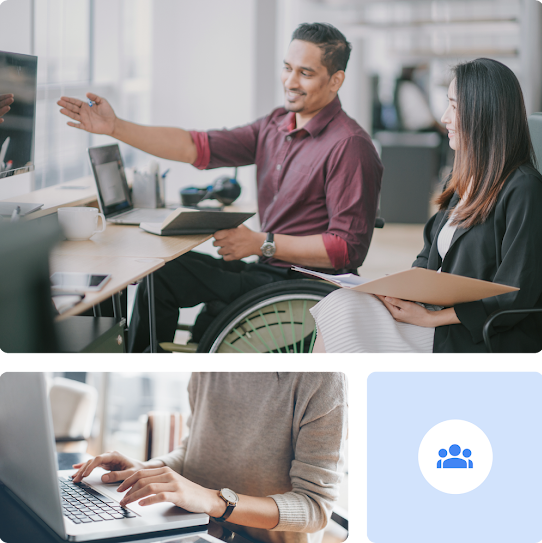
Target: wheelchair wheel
x=274 y=318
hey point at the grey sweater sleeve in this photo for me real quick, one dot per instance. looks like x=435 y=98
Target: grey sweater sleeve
x=316 y=469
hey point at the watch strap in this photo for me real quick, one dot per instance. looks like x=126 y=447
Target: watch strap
x=270 y=237
x=227 y=513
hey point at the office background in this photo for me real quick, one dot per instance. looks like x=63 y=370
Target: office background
x=216 y=63
x=403 y=407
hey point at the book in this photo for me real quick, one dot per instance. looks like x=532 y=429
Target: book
x=163 y=432
x=419 y=285
x=186 y=221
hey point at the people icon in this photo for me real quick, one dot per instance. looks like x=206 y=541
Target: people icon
x=454 y=462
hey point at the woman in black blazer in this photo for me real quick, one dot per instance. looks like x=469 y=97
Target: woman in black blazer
x=490 y=213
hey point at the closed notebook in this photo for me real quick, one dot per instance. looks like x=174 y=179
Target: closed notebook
x=186 y=221
x=419 y=285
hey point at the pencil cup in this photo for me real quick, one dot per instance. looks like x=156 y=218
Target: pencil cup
x=80 y=223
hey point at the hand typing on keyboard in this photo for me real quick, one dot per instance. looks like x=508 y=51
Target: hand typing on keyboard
x=120 y=467
x=157 y=485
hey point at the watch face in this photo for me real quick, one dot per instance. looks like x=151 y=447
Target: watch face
x=230 y=495
x=268 y=248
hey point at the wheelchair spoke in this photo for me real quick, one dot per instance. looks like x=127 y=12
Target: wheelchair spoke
x=258 y=334
x=270 y=331
x=313 y=339
x=292 y=325
x=303 y=326
x=233 y=347
x=246 y=341
x=281 y=329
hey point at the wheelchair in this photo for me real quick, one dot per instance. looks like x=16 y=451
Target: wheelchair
x=273 y=318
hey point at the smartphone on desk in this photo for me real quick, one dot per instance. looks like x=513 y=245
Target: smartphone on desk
x=78 y=282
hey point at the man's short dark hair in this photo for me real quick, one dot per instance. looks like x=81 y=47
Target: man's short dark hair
x=335 y=48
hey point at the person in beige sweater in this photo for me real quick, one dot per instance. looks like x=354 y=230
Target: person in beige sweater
x=276 y=440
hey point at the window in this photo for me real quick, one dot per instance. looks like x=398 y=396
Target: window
x=126 y=398
x=87 y=45
x=62 y=44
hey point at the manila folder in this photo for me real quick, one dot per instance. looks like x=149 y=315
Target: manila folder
x=429 y=287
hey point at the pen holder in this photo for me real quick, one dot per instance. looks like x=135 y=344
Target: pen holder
x=148 y=190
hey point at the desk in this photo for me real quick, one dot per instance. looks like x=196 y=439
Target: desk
x=17 y=525
x=127 y=252
x=116 y=244
x=123 y=270
x=130 y=241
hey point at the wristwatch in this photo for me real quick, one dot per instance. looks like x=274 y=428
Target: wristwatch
x=231 y=499
x=268 y=248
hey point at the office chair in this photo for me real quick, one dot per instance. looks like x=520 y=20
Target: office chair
x=73 y=407
x=535 y=128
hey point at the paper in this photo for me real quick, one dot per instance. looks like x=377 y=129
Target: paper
x=420 y=285
x=346 y=280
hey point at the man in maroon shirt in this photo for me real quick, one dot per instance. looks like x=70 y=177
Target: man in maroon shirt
x=318 y=177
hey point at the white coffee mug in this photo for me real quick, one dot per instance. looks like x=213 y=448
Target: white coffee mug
x=80 y=223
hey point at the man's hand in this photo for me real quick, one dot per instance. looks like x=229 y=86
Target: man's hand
x=166 y=485
x=5 y=101
x=409 y=312
x=98 y=119
x=238 y=243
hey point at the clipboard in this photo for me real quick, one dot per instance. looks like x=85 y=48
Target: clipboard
x=419 y=285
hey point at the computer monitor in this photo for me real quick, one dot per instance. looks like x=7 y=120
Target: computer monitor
x=18 y=76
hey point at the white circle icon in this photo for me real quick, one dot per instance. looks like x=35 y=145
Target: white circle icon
x=455 y=456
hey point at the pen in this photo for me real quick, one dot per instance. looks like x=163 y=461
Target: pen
x=15 y=214
x=165 y=173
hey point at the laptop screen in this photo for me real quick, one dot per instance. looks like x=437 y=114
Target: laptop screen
x=110 y=179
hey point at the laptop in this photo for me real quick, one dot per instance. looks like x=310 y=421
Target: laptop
x=28 y=468
x=113 y=193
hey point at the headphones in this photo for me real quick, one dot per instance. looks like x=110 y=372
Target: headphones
x=224 y=189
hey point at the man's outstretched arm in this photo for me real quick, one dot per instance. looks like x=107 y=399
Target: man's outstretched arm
x=161 y=141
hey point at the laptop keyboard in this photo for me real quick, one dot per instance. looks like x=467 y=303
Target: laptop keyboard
x=82 y=504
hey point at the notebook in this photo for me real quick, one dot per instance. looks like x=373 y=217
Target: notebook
x=187 y=221
x=28 y=468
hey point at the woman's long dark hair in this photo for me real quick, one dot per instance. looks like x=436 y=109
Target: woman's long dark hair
x=493 y=137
